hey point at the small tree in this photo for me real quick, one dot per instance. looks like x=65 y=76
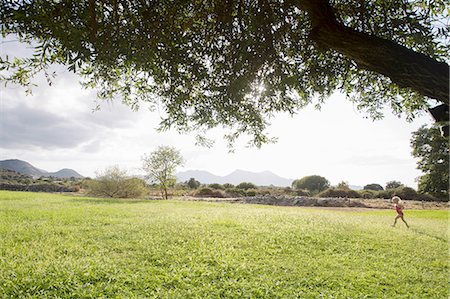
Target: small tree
x=114 y=182
x=393 y=185
x=160 y=167
x=313 y=183
x=375 y=187
x=193 y=183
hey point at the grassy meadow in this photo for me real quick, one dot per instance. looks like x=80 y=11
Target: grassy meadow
x=57 y=246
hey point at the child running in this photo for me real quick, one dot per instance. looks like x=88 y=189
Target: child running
x=399 y=208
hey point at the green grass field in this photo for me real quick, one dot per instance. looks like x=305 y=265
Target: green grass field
x=55 y=246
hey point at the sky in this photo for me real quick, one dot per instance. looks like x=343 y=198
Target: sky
x=56 y=128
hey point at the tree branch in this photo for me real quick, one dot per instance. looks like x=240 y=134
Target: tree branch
x=405 y=67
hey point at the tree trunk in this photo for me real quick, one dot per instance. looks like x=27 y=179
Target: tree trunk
x=405 y=67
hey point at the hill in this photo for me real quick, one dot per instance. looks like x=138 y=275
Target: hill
x=22 y=167
x=66 y=173
x=26 y=168
x=265 y=178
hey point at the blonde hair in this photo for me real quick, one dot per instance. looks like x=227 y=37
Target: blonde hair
x=396 y=199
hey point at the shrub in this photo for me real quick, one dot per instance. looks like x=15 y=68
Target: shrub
x=235 y=192
x=208 y=192
x=386 y=194
x=368 y=194
x=114 y=182
x=251 y=192
x=246 y=186
x=339 y=193
x=40 y=187
x=374 y=187
x=228 y=186
x=216 y=186
x=426 y=197
x=406 y=193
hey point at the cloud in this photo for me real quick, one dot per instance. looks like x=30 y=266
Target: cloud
x=376 y=160
x=60 y=116
x=25 y=127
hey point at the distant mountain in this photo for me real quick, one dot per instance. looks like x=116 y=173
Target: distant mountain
x=28 y=169
x=22 y=167
x=265 y=178
x=66 y=173
x=202 y=176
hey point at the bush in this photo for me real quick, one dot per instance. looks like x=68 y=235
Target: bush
x=386 y=194
x=374 y=187
x=251 y=192
x=235 y=192
x=208 y=192
x=228 y=186
x=339 y=193
x=41 y=187
x=406 y=193
x=216 y=186
x=246 y=186
x=114 y=182
x=369 y=194
x=426 y=197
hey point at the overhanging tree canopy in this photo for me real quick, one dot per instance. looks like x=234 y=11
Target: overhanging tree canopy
x=237 y=62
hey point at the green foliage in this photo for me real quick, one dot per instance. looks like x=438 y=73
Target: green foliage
x=235 y=192
x=428 y=197
x=216 y=186
x=393 y=185
x=14 y=181
x=432 y=150
x=228 y=186
x=251 y=192
x=375 y=187
x=312 y=183
x=246 y=186
x=232 y=63
x=406 y=193
x=193 y=183
x=339 y=193
x=55 y=246
x=160 y=166
x=114 y=182
x=368 y=194
x=208 y=192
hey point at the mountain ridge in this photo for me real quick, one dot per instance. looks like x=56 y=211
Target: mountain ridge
x=264 y=178
x=27 y=168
